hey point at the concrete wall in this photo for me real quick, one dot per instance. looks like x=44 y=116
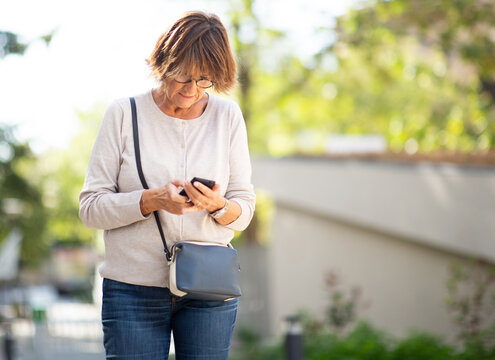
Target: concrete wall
x=254 y=303
x=392 y=229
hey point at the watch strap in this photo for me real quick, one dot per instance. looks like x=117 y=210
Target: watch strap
x=220 y=212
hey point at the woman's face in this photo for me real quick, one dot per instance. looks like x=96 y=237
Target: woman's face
x=182 y=91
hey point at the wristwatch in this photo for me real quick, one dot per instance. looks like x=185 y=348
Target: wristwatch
x=220 y=212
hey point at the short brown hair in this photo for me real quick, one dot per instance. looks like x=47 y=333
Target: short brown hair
x=198 y=44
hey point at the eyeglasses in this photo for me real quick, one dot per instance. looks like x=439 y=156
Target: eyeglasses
x=201 y=83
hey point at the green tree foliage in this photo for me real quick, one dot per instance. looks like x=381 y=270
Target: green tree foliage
x=248 y=36
x=420 y=72
x=61 y=174
x=243 y=20
x=21 y=203
x=461 y=29
x=260 y=88
x=11 y=44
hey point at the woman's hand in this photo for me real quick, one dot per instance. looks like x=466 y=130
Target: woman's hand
x=167 y=198
x=203 y=197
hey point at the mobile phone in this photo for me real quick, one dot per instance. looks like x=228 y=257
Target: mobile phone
x=206 y=182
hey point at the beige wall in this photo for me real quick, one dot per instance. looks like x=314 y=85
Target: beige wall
x=391 y=229
x=445 y=206
x=404 y=282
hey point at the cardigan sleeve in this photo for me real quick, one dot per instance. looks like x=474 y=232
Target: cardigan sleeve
x=101 y=205
x=240 y=188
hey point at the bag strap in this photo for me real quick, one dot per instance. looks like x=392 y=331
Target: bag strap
x=137 y=153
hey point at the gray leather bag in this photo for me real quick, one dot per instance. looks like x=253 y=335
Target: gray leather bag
x=204 y=271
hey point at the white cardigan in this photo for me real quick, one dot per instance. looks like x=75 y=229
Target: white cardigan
x=213 y=146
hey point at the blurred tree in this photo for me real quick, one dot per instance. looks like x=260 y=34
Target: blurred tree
x=21 y=203
x=471 y=301
x=10 y=43
x=462 y=30
x=245 y=29
x=419 y=73
x=422 y=73
x=269 y=79
x=20 y=199
x=61 y=173
x=244 y=22
x=248 y=37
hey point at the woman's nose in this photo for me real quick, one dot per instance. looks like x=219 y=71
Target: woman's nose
x=190 y=86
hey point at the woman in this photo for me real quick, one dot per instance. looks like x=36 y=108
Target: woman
x=184 y=132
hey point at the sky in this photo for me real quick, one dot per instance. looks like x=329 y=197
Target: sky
x=98 y=50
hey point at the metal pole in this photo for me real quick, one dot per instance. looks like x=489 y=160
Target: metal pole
x=293 y=339
x=8 y=343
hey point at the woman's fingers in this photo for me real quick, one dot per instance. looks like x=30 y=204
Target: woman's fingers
x=206 y=198
x=215 y=188
x=178 y=182
x=201 y=197
x=194 y=194
x=205 y=190
x=172 y=189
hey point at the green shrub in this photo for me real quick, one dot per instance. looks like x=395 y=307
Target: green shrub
x=477 y=348
x=471 y=299
x=365 y=342
x=252 y=347
x=421 y=346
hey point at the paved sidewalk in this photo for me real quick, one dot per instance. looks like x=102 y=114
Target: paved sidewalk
x=44 y=347
x=71 y=331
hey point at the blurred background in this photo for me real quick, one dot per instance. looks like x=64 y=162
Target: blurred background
x=372 y=134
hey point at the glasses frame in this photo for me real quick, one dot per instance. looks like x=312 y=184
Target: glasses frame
x=197 y=81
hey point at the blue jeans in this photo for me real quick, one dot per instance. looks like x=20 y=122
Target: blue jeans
x=137 y=321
